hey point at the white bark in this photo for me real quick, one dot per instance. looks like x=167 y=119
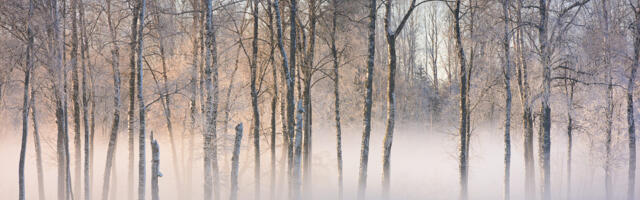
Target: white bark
x=235 y=159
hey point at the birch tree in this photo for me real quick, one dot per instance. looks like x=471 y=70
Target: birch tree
x=336 y=94
x=368 y=101
x=115 y=53
x=507 y=89
x=254 y=100
x=391 y=35
x=142 y=108
x=630 y=110
x=132 y=88
x=25 y=105
x=235 y=159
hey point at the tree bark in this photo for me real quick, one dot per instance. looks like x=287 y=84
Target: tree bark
x=155 y=168
x=336 y=94
x=113 y=138
x=307 y=72
x=545 y=135
x=274 y=100
x=297 y=182
x=368 y=101
x=609 y=101
x=37 y=146
x=288 y=81
x=75 y=99
x=630 y=110
x=527 y=117
x=25 y=107
x=234 y=163
x=84 y=54
x=291 y=76
x=142 y=108
x=507 y=88
x=211 y=72
x=254 y=102
x=132 y=89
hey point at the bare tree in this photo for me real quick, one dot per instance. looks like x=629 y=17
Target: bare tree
x=25 y=105
x=507 y=88
x=254 y=100
x=235 y=159
x=155 y=168
x=132 y=88
x=368 y=101
x=336 y=94
x=141 y=106
x=37 y=146
x=391 y=36
x=211 y=72
x=630 y=110
x=113 y=138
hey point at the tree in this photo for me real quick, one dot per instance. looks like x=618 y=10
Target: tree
x=235 y=159
x=463 y=150
x=37 y=146
x=307 y=71
x=391 y=35
x=368 y=101
x=113 y=138
x=507 y=89
x=25 y=105
x=141 y=106
x=254 y=100
x=155 y=168
x=132 y=88
x=336 y=94
x=211 y=78
x=630 y=110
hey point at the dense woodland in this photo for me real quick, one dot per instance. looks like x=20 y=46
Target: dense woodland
x=234 y=93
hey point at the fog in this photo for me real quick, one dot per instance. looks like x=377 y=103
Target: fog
x=424 y=166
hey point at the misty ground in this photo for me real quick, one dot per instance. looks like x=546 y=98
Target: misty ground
x=424 y=166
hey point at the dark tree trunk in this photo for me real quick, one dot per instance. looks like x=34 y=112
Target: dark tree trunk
x=254 y=101
x=368 y=101
x=235 y=159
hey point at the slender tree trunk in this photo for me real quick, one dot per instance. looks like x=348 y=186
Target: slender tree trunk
x=609 y=107
x=254 y=102
x=25 y=106
x=142 y=108
x=569 y=89
x=75 y=99
x=307 y=72
x=132 y=89
x=113 y=138
x=336 y=94
x=463 y=151
x=57 y=69
x=211 y=72
x=507 y=88
x=234 y=163
x=545 y=136
x=368 y=101
x=297 y=182
x=391 y=36
x=85 y=102
x=288 y=81
x=37 y=145
x=527 y=117
x=155 y=169
x=291 y=76
x=274 y=100
x=630 y=110
x=193 y=108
